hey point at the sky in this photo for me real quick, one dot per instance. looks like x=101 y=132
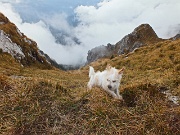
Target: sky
x=92 y=22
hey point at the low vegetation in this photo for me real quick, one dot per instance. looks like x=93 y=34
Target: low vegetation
x=35 y=101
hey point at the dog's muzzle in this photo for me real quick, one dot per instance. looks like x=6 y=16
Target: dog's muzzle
x=109 y=86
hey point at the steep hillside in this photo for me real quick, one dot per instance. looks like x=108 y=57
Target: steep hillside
x=35 y=101
x=20 y=47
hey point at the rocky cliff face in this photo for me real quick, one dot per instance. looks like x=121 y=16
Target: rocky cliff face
x=141 y=36
x=20 y=47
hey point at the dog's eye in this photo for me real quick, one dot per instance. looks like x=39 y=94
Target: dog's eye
x=114 y=81
x=108 y=80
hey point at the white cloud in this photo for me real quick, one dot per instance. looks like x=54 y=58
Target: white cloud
x=8 y=11
x=11 y=1
x=58 y=21
x=113 y=19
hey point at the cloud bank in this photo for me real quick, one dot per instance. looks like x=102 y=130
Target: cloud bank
x=111 y=20
x=107 y=22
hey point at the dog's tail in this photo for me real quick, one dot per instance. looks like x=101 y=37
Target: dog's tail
x=91 y=71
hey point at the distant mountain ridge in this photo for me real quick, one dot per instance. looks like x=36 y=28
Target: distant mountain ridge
x=141 y=36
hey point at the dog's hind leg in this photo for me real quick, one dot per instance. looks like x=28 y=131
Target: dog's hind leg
x=90 y=83
x=89 y=86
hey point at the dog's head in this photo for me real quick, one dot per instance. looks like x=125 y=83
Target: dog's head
x=113 y=78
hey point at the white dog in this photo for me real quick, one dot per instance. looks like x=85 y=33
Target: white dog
x=108 y=79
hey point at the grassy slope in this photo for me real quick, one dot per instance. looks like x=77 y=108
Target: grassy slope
x=37 y=101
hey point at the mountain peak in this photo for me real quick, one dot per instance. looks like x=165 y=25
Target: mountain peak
x=145 y=33
x=144 y=27
x=142 y=35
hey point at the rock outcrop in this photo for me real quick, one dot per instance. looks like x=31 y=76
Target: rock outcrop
x=100 y=52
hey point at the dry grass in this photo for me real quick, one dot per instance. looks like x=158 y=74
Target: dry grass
x=35 y=101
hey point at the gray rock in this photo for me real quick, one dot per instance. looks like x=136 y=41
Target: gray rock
x=100 y=52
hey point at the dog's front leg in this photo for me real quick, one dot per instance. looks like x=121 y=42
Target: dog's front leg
x=118 y=95
x=112 y=94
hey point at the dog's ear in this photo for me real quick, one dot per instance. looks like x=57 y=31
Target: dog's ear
x=121 y=70
x=108 y=67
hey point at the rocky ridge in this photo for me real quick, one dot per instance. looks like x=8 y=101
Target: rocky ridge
x=141 y=36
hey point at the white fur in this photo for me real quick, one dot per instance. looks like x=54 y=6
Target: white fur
x=108 y=79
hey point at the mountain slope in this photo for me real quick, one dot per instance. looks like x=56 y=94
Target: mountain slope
x=19 y=46
x=35 y=101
